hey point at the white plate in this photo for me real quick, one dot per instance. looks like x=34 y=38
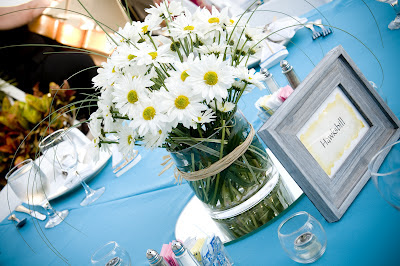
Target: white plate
x=58 y=185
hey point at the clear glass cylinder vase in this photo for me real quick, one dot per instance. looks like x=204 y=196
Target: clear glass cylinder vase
x=245 y=195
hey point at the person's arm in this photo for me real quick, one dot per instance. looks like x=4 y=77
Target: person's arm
x=18 y=19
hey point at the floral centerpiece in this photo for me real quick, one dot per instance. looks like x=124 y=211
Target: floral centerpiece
x=179 y=90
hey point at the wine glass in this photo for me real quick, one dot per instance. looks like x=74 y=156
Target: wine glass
x=111 y=254
x=59 y=149
x=387 y=177
x=302 y=237
x=395 y=24
x=30 y=184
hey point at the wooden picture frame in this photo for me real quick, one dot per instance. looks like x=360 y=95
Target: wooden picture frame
x=328 y=130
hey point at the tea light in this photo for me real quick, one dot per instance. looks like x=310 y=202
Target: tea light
x=307 y=245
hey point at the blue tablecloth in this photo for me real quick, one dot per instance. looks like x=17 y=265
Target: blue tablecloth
x=139 y=209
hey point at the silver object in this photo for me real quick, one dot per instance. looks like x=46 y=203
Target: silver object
x=325 y=31
x=182 y=255
x=155 y=259
x=310 y=26
x=32 y=213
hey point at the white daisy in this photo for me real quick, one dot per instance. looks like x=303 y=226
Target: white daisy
x=206 y=117
x=184 y=25
x=180 y=73
x=126 y=141
x=125 y=55
x=250 y=76
x=156 y=140
x=182 y=105
x=214 y=20
x=166 y=9
x=149 y=55
x=150 y=117
x=127 y=94
x=223 y=107
x=212 y=77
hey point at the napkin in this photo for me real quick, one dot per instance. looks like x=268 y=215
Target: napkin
x=284 y=29
x=272 y=53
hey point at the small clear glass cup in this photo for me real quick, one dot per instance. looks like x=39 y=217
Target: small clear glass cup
x=387 y=177
x=302 y=237
x=111 y=254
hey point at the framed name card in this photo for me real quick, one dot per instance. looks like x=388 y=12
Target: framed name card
x=328 y=130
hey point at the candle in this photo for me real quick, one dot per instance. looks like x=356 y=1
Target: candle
x=307 y=245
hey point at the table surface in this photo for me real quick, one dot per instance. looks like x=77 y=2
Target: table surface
x=139 y=209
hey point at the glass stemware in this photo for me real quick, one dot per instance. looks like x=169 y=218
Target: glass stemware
x=387 y=177
x=59 y=149
x=395 y=24
x=302 y=237
x=29 y=183
x=111 y=254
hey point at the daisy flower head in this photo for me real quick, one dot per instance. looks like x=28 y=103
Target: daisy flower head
x=213 y=20
x=125 y=55
x=206 y=117
x=107 y=75
x=150 y=24
x=127 y=34
x=149 y=55
x=127 y=95
x=182 y=105
x=214 y=48
x=250 y=76
x=223 y=107
x=95 y=123
x=126 y=141
x=212 y=77
x=185 y=25
x=166 y=9
x=156 y=140
x=150 y=116
x=180 y=73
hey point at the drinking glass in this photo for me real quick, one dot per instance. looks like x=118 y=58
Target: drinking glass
x=30 y=184
x=395 y=24
x=59 y=149
x=111 y=254
x=387 y=177
x=302 y=237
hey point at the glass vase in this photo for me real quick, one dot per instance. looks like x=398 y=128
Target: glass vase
x=245 y=195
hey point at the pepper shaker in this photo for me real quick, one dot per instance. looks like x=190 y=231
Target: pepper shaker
x=290 y=74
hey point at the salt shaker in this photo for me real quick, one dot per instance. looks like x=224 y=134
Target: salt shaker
x=182 y=255
x=269 y=80
x=290 y=74
x=155 y=259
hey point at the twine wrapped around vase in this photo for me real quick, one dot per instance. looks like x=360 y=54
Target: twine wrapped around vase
x=221 y=164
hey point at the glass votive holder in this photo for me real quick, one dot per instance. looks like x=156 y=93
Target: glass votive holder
x=302 y=237
x=387 y=177
x=111 y=254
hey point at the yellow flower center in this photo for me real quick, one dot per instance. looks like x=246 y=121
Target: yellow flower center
x=131 y=56
x=153 y=55
x=130 y=138
x=149 y=113
x=132 y=97
x=181 y=102
x=145 y=29
x=160 y=132
x=184 y=75
x=231 y=21
x=113 y=70
x=188 y=28
x=213 y=20
x=211 y=78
